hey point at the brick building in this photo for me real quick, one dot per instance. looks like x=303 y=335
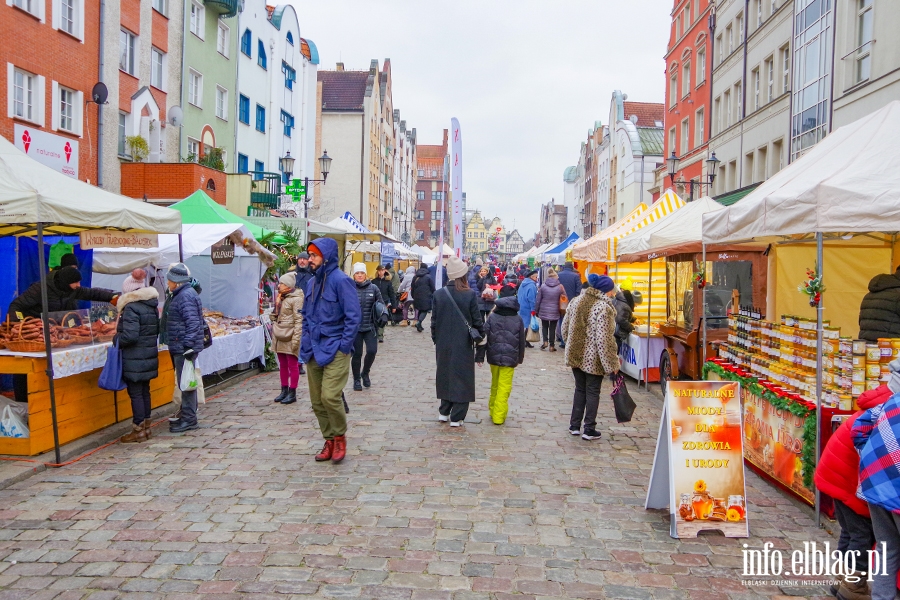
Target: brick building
x=51 y=63
x=431 y=193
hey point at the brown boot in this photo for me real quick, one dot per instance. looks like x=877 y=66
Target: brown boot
x=340 y=449
x=854 y=591
x=148 y=428
x=136 y=436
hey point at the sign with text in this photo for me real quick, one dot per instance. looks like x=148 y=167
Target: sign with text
x=222 y=253
x=108 y=238
x=456 y=173
x=58 y=152
x=698 y=469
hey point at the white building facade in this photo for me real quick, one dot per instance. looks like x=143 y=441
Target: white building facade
x=571 y=200
x=636 y=150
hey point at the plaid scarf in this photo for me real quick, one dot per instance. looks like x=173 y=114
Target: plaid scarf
x=875 y=435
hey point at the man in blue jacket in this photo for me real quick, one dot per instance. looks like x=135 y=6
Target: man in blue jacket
x=331 y=318
x=527 y=295
x=571 y=282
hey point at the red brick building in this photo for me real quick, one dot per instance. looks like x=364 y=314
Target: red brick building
x=431 y=194
x=687 y=114
x=49 y=50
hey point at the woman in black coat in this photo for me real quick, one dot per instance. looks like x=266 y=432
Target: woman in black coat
x=422 y=293
x=484 y=281
x=138 y=338
x=454 y=349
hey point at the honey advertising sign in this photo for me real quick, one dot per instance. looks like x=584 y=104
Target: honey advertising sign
x=698 y=470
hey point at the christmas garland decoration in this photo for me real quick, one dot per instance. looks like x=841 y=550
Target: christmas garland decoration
x=813 y=286
x=795 y=406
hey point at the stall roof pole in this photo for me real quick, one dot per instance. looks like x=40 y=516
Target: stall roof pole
x=818 y=416
x=649 y=305
x=703 y=309
x=180 y=249
x=45 y=315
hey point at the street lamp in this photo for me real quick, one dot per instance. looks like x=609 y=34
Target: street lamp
x=712 y=165
x=301 y=191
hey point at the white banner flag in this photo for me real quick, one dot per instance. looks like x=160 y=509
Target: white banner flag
x=456 y=186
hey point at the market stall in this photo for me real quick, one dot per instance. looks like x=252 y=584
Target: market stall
x=843 y=195
x=36 y=201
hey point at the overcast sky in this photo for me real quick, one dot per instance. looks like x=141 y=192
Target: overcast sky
x=525 y=78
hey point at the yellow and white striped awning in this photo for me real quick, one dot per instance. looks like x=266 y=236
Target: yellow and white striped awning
x=593 y=249
x=668 y=203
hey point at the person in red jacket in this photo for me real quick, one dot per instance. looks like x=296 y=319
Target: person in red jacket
x=837 y=475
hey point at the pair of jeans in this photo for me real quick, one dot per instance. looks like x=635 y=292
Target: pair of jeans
x=188 y=399
x=289 y=370
x=501 y=387
x=586 y=400
x=370 y=340
x=548 y=331
x=455 y=410
x=139 y=392
x=886 y=525
x=856 y=532
x=326 y=384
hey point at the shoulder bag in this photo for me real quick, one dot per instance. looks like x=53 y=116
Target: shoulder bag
x=563 y=303
x=474 y=334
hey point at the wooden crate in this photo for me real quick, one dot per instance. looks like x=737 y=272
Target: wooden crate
x=82 y=408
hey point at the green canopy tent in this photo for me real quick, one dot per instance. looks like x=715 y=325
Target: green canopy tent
x=198 y=208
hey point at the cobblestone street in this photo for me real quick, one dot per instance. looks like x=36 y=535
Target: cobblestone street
x=417 y=510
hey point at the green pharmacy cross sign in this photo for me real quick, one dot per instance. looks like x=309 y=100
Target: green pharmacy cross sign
x=296 y=190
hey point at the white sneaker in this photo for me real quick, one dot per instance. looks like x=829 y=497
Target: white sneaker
x=575 y=431
x=443 y=419
x=455 y=423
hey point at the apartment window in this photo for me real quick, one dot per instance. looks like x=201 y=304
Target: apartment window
x=260 y=118
x=686 y=79
x=193 y=149
x=420 y=235
x=740 y=27
x=863 y=40
x=197 y=15
x=290 y=38
x=729 y=34
x=777 y=157
x=243 y=165
x=421 y=173
x=726 y=98
x=127 y=43
x=121 y=134
x=420 y=215
x=195 y=87
x=699 y=124
x=160 y=6
x=721 y=46
x=290 y=75
x=673 y=88
x=754 y=78
x=24 y=92
x=739 y=100
x=685 y=136
x=223 y=35
x=259 y=166
x=67 y=109
x=288 y=121
x=759 y=13
x=157 y=69
x=672 y=139
x=785 y=70
x=773 y=7
x=261 y=52
x=701 y=65
x=246 y=42
x=437 y=195
x=67 y=16
x=770 y=80
x=435 y=215
x=687 y=16
x=221 y=103
x=420 y=194
x=244 y=109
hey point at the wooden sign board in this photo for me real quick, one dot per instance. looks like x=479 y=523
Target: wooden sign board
x=222 y=253
x=109 y=238
x=698 y=469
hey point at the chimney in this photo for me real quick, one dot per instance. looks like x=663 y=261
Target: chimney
x=340 y=67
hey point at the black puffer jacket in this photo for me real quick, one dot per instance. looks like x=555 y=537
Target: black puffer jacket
x=59 y=297
x=505 y=335
x=422 y=289
x=879 y=313
x=386 y=287
x=368 y=294
x=482 y=283
x=624 y=304
x=138 y=334
x=183 y=322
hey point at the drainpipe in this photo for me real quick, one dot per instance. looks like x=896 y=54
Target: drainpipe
x=833 y=50
x=100 y=106
x=184 y=25
x=790 y=92
x=237 y=90
x=744 y=96
x=712 y=54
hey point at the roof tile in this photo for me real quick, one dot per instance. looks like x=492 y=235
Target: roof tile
x=343 y=90
x=648 y=113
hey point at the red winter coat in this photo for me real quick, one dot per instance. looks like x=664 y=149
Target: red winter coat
x=838 y=471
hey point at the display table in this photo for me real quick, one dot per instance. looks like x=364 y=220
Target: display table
x=634 y=356
x=233 y=349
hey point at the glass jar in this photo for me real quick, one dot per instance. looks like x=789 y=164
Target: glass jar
x=736 y=502
x=702 y=504
x=686 y=508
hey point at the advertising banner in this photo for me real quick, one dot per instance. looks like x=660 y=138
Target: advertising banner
x=456 y=186
x=635 y=360
x=698 y=469
x=108 y=238
x=55 y=151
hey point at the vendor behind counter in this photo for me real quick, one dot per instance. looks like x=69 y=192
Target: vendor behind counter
x=63 y=293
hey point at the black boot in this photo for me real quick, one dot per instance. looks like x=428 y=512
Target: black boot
x=365 y=380
x=291 y=396
x=357 y=385
x=284 y=392
x=302 y=370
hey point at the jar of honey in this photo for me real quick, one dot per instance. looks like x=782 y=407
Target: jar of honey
x=887 y=351
x=859 y=347
x=686 y=508
x=736 y=502
x=895 y=348
x=873 y=370
x=702 y=504
x=873 y=353
x=845 y=345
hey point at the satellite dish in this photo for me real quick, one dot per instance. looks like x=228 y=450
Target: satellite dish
x=99 y=93
x=176 y=116
x=633 y=119
x=624 y=96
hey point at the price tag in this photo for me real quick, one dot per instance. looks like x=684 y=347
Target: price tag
x=19 y=315
x=71 y=323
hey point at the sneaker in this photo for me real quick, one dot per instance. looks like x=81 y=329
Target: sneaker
x=176 y=417
x=443 y=418
x=357 y=385
x=575 y=431
x=455 y=423
x=591 y=434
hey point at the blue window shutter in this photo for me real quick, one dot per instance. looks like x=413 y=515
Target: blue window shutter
x=243 y=163
x=244 y=109
x=290 y=38
x=261 y=59
x=260 y=118
x=247 y=42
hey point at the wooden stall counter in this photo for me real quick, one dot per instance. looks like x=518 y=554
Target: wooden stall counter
x=82 y=408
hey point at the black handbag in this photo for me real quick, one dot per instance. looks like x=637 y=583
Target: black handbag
x=473 y=333
x=622 y=401
x=207 y=335
x=379 y=314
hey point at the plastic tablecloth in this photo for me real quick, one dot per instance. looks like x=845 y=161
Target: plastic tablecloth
x=234 y=349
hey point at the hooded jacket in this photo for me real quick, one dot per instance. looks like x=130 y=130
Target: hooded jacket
x=368 y=294
x=624 y=315
x=837 y=473
x=588 y=332
x=527 y=295
x=879 y=313
x=183 y=320
x=505 y=335
x=875 y=434
x=331 y=313
x=304 y=274
x=137 y=334
x=59 y=297
x=571 y=282
x=406 y=284
x=422 y=289
x=546 y=303
x=386 y=287
x=289 y=314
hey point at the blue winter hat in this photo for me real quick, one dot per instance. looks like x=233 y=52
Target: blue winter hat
x=601 y=282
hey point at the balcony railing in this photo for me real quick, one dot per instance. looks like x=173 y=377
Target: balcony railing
x=265 y=190
x=226 y=8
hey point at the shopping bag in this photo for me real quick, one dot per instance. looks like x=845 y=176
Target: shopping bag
x=11 y=425
x=188 y=381
x=532 y=335
x=622 y=401
x=111 y=375
x=201 y=393
x=535 y=324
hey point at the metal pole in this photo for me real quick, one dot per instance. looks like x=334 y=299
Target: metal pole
x=180 y=249
x=702 y=303
x=649 y=305
x=45 y=310
x=306 y=198
x=819 y=309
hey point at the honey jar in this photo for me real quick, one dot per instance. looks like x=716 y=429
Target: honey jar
x=859 y=347
x=873 y=370
x=873 y=353
x=887 y=351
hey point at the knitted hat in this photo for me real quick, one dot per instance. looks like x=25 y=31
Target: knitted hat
x=303 y=255
x=478 y=262
x=601 y=282
x=531 y=273
x=359 y=268
x=456 y=268
x=288 y=279
x=179 y=273
x=135 y=281
x=551 y=273
x=68 y=260
x=68 y=276
x=313 y=249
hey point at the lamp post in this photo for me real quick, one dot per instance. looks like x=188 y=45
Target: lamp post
x=301 y=191
x=602 y=215
x=712 y=165
x=404 y=237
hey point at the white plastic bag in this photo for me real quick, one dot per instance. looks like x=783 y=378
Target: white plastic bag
x=11 y=425
x=188 y=382
x=201 y=393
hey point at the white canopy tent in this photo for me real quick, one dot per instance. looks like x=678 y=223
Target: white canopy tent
x=680 y=231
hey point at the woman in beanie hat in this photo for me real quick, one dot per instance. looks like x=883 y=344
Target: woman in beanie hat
x=455 y=312
x=135 y=281
x=288 y=319
x=546 y=306
x=588 y=332
x=406 y=288
x=368 y=294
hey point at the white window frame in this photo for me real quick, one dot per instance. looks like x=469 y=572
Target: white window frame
x=37 y=95
x=770 y=79
x=197 y=26
x=685 y=136
x=195 y=90
x=673 y=87
x=77 y=102
x=864 y=47
x=729 y=109
x=157 y=68
x=699 y=126
x=221 y=107
x=673 y=139
x=701 y=65
x=36 y=8
x=686 y=79
x=223 y=34
x=122 y=133
x=161 y=6
x=132 y=49
x=785 y=69
x=77 y=17
x=196 y=144
x=754 y=76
